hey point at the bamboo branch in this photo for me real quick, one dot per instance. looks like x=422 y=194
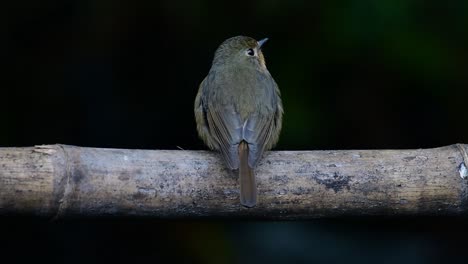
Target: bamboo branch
x=65 y=181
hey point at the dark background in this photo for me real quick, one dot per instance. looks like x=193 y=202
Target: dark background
x=356 y=74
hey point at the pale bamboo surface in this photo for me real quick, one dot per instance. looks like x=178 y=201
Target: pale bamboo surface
x=60 y=181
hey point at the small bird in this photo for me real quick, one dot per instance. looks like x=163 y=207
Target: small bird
x=238 y=109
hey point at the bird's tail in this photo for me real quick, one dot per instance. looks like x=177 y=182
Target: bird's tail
x=248 y=186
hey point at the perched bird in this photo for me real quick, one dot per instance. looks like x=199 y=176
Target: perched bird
x=238 y=109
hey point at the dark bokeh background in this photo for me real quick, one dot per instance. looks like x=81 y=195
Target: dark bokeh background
x=353 y=74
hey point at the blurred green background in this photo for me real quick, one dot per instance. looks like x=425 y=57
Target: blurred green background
x=356 y=74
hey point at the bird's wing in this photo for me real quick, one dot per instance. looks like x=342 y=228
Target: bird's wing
x=218 y=124
x=201 y=117
x=259 y=133
x=262 y=129
x=226 y=129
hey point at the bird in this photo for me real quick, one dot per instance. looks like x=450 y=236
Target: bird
x=238 y=109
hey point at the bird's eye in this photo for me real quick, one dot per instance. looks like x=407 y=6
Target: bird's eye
x=250 y=52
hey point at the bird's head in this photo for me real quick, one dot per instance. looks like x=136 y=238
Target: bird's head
x=240 y=50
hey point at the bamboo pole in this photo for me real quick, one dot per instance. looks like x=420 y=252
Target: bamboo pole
x=66 y=181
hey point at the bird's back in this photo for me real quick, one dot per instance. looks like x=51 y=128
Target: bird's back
x=248 y=101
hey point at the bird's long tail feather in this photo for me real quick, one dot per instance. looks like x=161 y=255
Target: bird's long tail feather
x=248 y=186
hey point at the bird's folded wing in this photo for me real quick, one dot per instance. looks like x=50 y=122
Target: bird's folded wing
x=258 y=133
x=226 y=129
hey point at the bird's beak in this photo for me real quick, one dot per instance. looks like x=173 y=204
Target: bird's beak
x=261 y=42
